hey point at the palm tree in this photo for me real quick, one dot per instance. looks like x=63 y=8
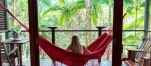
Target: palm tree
x=66 y=9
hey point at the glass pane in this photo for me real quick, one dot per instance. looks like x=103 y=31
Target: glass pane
x=134 y=37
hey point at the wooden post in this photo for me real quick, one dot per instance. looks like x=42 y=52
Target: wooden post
x=33 y=26
x=100 y=30
x=117 y=33
x=99 y=33
x=53 y=34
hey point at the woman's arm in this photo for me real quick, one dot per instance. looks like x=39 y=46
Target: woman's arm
x=85 y=49
x=68 y=48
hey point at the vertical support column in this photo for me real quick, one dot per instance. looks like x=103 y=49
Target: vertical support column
x=100 y=30
x=117 y=33
x=6 y=15
x=99 y=33
x=53 y=34
x=33 y=32
x=7 y=28
x=146 y=21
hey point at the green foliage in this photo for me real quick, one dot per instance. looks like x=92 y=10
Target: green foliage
x=71 y=15
x=106 y=2
x=62 y=2
x=130 y=26
x=96 y=9
x=67 y=10
x=20 y=9
x=51 y=8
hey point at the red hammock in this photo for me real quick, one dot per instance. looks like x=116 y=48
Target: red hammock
x=97 y=48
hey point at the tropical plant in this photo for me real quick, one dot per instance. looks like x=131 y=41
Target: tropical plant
x=65 y=9
x=135 y=19
x=72 y=15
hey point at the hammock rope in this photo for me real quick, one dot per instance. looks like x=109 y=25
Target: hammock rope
x=97 y=48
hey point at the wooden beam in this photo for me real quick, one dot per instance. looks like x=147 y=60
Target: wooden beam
x=117 y=33
x=33 y=30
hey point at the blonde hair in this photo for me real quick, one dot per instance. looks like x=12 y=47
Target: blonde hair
x=75 y=44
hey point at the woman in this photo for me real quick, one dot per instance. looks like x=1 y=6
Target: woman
x=75 y=46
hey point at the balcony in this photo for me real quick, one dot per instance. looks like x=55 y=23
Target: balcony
x=132 y=33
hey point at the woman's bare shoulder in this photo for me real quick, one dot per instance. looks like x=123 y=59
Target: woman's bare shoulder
x=83 y=45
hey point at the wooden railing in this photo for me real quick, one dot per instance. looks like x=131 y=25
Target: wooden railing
x=53 y=31
x=99 y=30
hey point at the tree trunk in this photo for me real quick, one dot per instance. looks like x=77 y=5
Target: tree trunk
x=88 y=18
x=14 y=15
x=135 y=21
x=109 y=19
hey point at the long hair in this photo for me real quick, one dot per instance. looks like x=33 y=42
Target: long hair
x=75 y=44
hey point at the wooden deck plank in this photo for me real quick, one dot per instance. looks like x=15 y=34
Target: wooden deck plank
x=49 y=63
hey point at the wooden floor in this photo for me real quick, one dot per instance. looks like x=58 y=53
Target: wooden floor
x=49 y=63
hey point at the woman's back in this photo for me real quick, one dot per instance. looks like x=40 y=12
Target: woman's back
x=75 y=46
x=78 y=50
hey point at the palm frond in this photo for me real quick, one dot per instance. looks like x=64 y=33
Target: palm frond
x=53 y=8
x=77 y=8
x=131 y=25
x=63 y=18
x=78 y=4
x=46 y=2
x=104 y=1
x=69 y=17
x=95 y=15
x=62 y=2
x=96 y=9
